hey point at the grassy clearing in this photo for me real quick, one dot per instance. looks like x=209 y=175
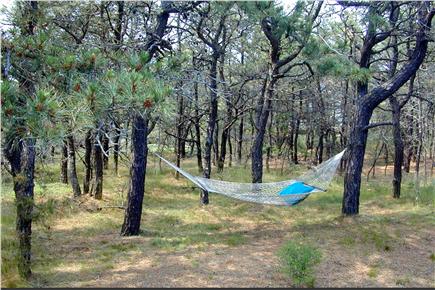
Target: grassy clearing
x=76 y=240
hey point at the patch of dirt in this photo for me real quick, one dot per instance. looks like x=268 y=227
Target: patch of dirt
x=255 y=264
x=252 y=265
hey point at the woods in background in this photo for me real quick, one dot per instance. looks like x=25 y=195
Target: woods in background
x=224 y=82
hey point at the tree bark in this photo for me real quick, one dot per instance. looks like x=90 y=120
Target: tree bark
x=262 y=115
x=240 y=141
x=211 y=126
x=88 y=164
x=197 y=130
x=355 y=156
x=105 y=142
x=98 y=167
x=64 y=163
x=72 y=171
x=133 y=211
x=116 y=147
x=22 y=160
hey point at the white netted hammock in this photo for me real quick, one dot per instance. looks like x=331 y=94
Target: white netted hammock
x=289 y=192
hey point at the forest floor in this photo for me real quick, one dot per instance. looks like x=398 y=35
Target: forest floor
x=76 y=242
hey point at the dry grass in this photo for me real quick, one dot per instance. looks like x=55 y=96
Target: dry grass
x=76 y=242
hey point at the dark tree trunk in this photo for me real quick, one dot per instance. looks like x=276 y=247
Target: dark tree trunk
x=197 y=130
x=355 y=156
x=133 y=211
x=105 y=143
x=216 y=144
x=72 y=172
x=262 y=115
x=211 y=126
x=368 y=102
x=409 y=147
x=98 y=167
x=223 y=151
x=319 y=149
x=240 y=141
x=398 y=147
x=116 y=147
x=180 y=125
x=88 y=164
x=228 y=119
x=269 y=146
x=295 y=142
x=64 y=163
x=230 y=148
x=22 y=160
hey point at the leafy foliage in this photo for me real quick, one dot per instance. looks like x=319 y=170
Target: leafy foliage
x=297 y=261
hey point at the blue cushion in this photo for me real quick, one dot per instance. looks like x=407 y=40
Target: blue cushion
x=296 y=188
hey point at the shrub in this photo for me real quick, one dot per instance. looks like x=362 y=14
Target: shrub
x=297 y=261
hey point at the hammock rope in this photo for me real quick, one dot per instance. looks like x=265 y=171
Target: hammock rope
x=289 y=192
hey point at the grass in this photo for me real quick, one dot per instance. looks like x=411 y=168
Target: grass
x=297 y=261
x=73 y=241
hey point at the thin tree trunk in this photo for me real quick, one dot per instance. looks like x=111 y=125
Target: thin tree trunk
x=116 y=147
x=105 y=142
x=197 y=130
x=240 y=141
x=398 y=147
x=72 y=172
x=88 y=164
x=211 y=127
x=64 y=163
x=98 y=166
x=262 y=115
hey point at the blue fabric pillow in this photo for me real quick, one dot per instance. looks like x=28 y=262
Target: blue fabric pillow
x=296 y=188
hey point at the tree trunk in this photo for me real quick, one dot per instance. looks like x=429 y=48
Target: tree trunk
x=180 y=125
x=262 y=115
x=116 y=147
x=98 y=166
x=72 y=172
x=319 y=149
x=22 y=160
x=355 y=156
x=211 y=126
x=197 y=130
x=133 y=211
x=105 y=142
x=298 y=123
x=240 y=141
x=64 y=163
x=398 y=147
x=230 y=148
x=88 y=164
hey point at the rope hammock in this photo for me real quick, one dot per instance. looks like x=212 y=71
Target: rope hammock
x=289 y=192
